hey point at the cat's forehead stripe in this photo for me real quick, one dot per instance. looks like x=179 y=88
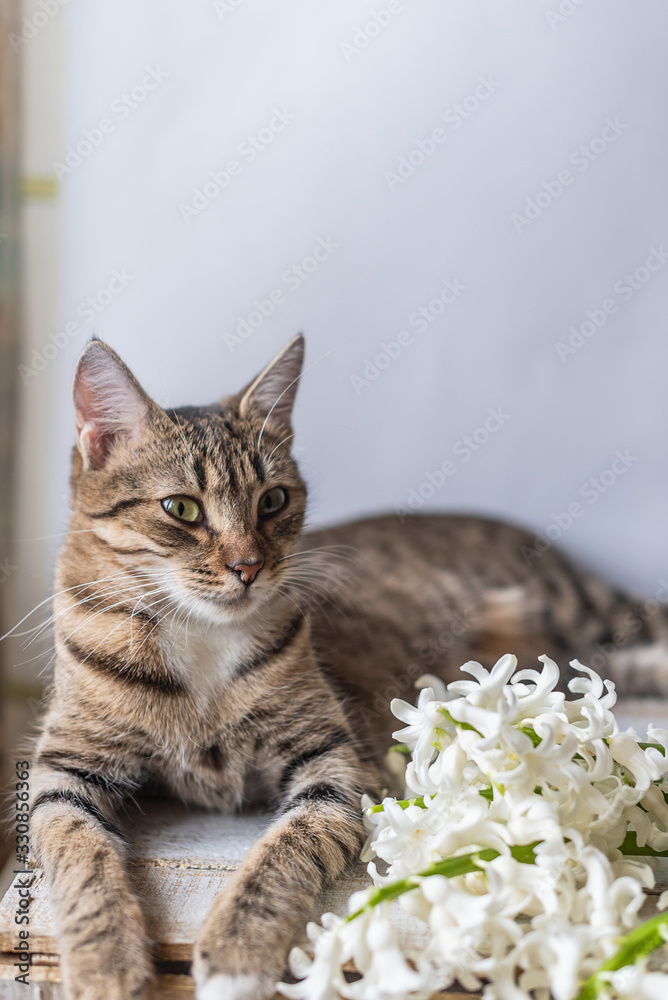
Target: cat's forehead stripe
x=200 y=472
x=222 y=456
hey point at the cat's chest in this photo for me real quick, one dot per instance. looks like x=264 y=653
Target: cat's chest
x=206 y=657
x=215 y=757
x=204 y=755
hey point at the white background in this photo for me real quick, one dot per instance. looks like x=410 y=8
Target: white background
x=556 y=81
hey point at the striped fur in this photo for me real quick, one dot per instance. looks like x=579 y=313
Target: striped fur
x=173 y=668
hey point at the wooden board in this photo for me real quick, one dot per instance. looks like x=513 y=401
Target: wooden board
x=183 y=858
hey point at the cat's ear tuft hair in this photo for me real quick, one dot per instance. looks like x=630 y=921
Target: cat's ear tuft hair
x=109 y=403
x=272 y=393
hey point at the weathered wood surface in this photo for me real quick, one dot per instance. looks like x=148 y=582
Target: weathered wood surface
x=182 y=859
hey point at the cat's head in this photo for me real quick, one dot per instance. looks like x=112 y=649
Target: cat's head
x=206 y=501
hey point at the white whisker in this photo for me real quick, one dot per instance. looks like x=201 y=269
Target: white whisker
x=51 y=597
x=279 y=445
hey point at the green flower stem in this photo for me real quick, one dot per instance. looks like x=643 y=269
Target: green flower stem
x=404 y=803
x=458 y=725
x=465 y=863
x=629 y=847
x=633 y=946
x=486 y=793
x=531 y=733
x=450 y=867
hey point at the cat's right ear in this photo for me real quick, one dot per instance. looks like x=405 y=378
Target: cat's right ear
x=109 y=403
x=272 y=394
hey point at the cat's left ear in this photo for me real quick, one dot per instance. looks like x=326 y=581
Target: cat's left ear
x=272 y=394
x=110 y=405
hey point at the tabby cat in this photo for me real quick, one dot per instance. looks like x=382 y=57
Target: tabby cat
x=206 y=647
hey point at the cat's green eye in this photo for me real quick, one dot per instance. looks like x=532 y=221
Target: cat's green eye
x=272 y=501
x=183 y=508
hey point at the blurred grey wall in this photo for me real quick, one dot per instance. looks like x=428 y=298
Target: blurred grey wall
x=463 y=206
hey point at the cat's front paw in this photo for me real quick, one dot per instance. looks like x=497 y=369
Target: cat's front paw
x=237 y=956
x=241 y=987
x=225 y=969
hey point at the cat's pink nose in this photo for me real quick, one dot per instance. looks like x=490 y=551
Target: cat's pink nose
x=246 y=571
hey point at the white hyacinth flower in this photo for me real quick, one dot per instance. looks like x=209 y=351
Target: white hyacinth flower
x=508 y=850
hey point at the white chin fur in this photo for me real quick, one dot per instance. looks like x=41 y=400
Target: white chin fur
x=231 y=988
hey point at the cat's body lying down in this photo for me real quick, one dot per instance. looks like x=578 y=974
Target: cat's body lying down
x=202 y=645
